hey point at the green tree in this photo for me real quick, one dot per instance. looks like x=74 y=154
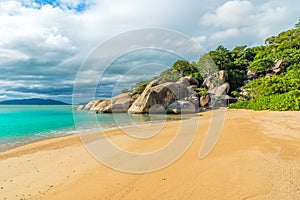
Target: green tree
x=262 y=61
x=298 y=24
x=222 y=58
x=184 y=67
x=206 y=66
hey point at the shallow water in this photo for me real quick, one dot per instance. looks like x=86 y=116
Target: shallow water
x=21 y=124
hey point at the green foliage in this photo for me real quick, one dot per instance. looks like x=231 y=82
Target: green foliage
x=273 y=93
x=222 y=58
x=202 y=92
x=206 y=66
x=285 y=46
x=140 y=87
x=235 y=62
x=279 y=102
x=241 y=105
x=125 y=91
x=298 y=24
x=236 y=78
x=274 y=85
x=241 y=57
x=182 y=68
x=170 y=75
x=262 y=61
x=278 y=92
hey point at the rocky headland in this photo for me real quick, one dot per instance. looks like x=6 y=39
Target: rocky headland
x=161 y=96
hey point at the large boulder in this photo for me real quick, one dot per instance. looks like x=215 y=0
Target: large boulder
x=90 y=105
x=193 y=98
x=159 y=94
x=157 y=109
x=204 y=100
x=184 y=81
x=220 y=90
x=188 y=80
x=215 y=79
x=156 y=98
x=217 y=89
x=181 y=107
x=80 y=107
x=216 y=83
x=117 y=104
x=223 y=76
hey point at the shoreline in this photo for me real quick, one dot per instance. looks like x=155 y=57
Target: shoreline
x=253 y=157
x=93 y=130
x=53 y=139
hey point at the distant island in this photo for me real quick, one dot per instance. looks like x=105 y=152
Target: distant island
x=33 y=101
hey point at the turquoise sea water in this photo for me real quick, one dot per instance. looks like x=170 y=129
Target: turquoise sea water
x=24 y=124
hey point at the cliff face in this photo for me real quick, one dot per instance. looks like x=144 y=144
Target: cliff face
x=165 y=97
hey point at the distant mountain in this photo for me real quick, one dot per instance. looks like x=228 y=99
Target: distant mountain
x=34 y=101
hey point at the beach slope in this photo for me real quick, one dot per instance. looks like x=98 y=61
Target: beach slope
x=256 y=157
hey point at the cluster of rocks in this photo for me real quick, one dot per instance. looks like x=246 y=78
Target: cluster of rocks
x=171 y=97
x=117 y=104
x=275 y=69
x=161 y=96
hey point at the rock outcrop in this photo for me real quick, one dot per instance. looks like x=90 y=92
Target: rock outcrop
x=160 y=96
x=90 y=105
x=181 y=107
x=163 y=95
x=217 y=88
x=275 y=69
x=204 y=100
x=117 y=104
x=223 y=89
x=251 y=75
x=215 y=80
x=188 y=80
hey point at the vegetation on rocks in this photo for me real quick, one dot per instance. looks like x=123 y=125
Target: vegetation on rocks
x=276 y=92
x=262 y=78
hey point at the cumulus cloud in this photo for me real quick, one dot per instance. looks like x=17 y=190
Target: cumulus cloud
x=43 y=43
x=231 y=14
x=248 y=21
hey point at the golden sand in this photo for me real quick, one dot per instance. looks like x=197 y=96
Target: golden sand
x=256 y=157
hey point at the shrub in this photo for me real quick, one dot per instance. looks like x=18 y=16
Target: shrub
x=280 y=102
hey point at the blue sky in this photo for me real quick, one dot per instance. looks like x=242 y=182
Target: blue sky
x=77 y=5
x=44 y=43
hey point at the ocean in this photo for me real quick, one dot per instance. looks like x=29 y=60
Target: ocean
x=21 y=124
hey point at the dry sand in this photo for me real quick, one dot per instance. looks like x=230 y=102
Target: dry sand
x=256 y=157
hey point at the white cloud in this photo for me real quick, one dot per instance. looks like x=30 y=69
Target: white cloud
x=231 y=14
x=224 y=34
x=49 y=42
x=9 y=55
x=30 y=36
x=248 y=22
x=200 y=39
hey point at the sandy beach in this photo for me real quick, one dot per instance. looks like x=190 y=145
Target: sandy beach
x=256 y=157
